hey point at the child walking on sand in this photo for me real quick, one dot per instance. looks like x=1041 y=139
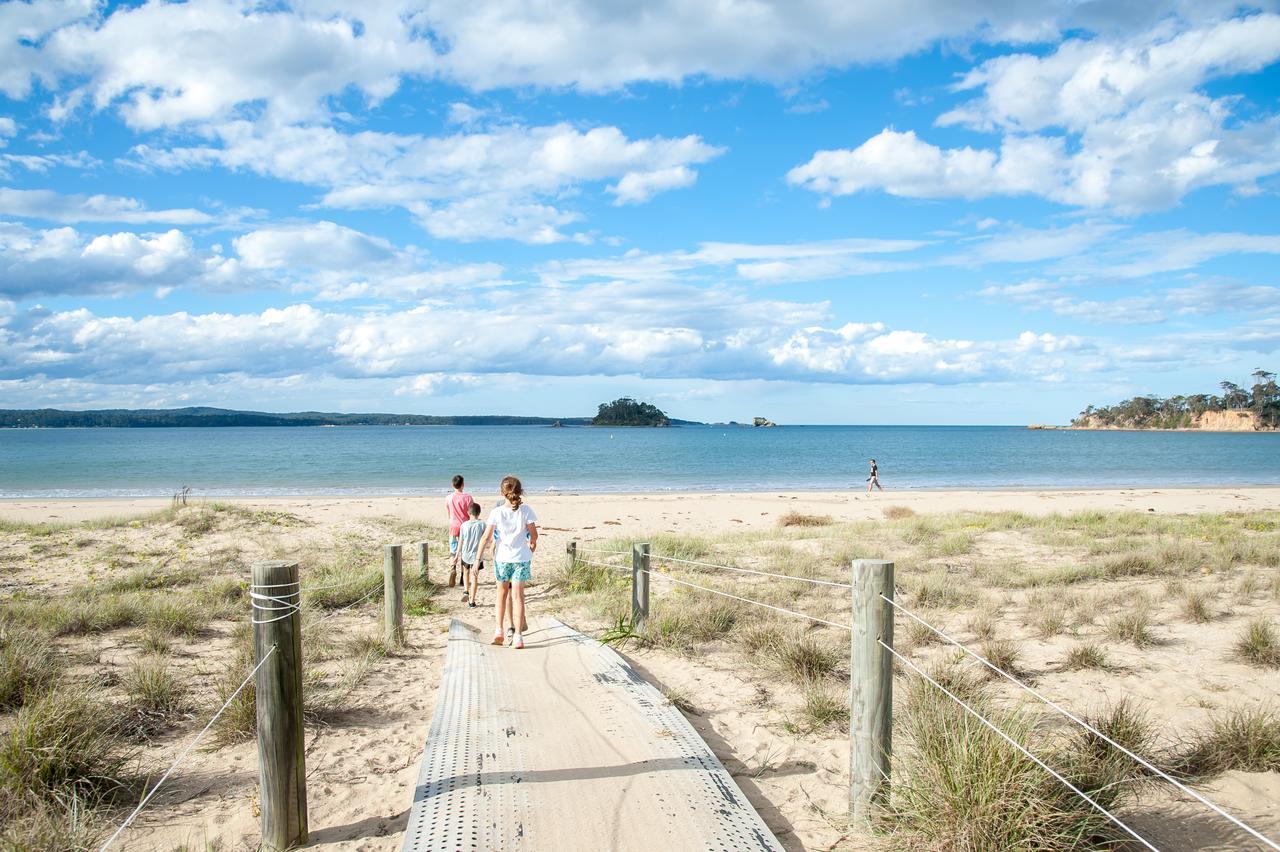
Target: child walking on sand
x=470 y=535
x=456 y=507
x=516 y=527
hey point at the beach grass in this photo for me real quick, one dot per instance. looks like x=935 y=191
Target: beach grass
x=1259 y=643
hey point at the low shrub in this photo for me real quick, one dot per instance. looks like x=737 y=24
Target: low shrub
x=1246 y=738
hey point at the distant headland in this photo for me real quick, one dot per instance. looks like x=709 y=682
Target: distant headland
x=1235 y=410
x=53 y=418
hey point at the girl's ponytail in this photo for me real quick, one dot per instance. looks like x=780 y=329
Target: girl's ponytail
x=512 y=491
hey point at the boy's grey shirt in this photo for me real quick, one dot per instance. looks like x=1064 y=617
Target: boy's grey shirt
x=469 y=536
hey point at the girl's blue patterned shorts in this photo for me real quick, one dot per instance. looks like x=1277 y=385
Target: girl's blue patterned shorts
x=511 y=572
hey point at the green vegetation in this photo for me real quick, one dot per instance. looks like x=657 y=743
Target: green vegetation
x=1181 y=412
x=1259 y=644
x=627 y=412
x=959 y=785
x=1087 y=655
x=1244 y=738
x=29 y=665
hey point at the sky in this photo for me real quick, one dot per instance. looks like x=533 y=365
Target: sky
x=970 y=211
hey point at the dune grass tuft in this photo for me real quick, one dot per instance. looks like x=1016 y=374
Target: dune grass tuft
x=29 y=666
x=154 y=691
x=1196 y=606
x=805 y=658
x=959 y=785
x=800 y=519
x=1133 y=625
x=1087 y=655
x=1259 y=644
x=63 y=743
x=1245 y=738
x=1004 y=654
x=825 y=705
x=897 y=513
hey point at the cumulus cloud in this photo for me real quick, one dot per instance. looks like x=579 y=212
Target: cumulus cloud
x=166 y=63
x=659 y=331
x=1098 y=123
x=504 y=182
x=62 y=261
x=54 y=207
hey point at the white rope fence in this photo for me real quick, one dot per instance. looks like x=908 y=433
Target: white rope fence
x=754 y=571
x=1146 y=764
x=183 y=755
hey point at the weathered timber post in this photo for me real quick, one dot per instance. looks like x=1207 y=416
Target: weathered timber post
x=423 y=559
x=571 y=554
x=282 y=770
x=870 y=687
x=393 y=596
x=639 y=584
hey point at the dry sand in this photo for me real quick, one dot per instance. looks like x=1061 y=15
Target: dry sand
x=362 y=766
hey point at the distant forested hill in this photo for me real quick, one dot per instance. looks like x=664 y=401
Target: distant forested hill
x=123 y=417
x=1236 y=409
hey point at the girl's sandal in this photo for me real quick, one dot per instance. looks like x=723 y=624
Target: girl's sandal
x=511 y=632
x=518 y=643
x=497 y=638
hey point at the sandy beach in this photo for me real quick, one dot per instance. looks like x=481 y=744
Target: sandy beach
x=596 y=515
x=363 y=757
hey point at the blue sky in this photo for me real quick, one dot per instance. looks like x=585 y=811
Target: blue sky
x=972 y=212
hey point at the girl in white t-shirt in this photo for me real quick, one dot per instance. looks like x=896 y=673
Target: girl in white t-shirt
x=516 y=526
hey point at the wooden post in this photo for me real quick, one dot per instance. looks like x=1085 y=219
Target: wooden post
x=282 y=769
x=393 y=596
x=571 y=553
x=870 y=687
x=639 y=584
x=423 y=566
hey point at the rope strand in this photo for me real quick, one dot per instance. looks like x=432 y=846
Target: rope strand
x=1020 y=748
x=1142 y=761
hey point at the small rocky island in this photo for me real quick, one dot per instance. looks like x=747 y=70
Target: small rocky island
x=762 y=422
x=628 y=412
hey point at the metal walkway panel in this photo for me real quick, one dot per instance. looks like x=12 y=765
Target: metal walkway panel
x=562 y=746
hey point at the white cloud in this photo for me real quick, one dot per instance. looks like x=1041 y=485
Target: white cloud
x=62 y=261
x=504 y=182
x=766 y=262
x=8 y=129
x=437 y=384
x=172 y=63
x=321 y=245
x=596 y=330
x=1200 y=299
x=1095 y=124
x=168 y=63
x=54 y=207
x=24 y=26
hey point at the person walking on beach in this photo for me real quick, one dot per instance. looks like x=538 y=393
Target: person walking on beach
x=469 y=537
x=516 y=526
x=873 y=479
x=457 y=507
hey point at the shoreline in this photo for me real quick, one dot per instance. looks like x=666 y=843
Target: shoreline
x=598 y=514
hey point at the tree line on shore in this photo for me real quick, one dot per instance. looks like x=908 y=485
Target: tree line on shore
x=1182 y=412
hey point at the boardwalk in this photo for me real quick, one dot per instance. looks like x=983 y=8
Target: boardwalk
x=562 y=746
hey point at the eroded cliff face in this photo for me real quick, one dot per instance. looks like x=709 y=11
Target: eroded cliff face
x=1209 y=421
x=1228 y=421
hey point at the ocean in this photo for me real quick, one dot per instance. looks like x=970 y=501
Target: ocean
x=372 y=460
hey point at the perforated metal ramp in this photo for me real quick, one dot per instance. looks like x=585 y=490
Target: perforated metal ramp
x=562 y=746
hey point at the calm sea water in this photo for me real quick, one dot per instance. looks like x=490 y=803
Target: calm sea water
x=399 y=460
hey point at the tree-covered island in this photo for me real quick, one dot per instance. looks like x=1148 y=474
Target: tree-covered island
x=628 y=412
